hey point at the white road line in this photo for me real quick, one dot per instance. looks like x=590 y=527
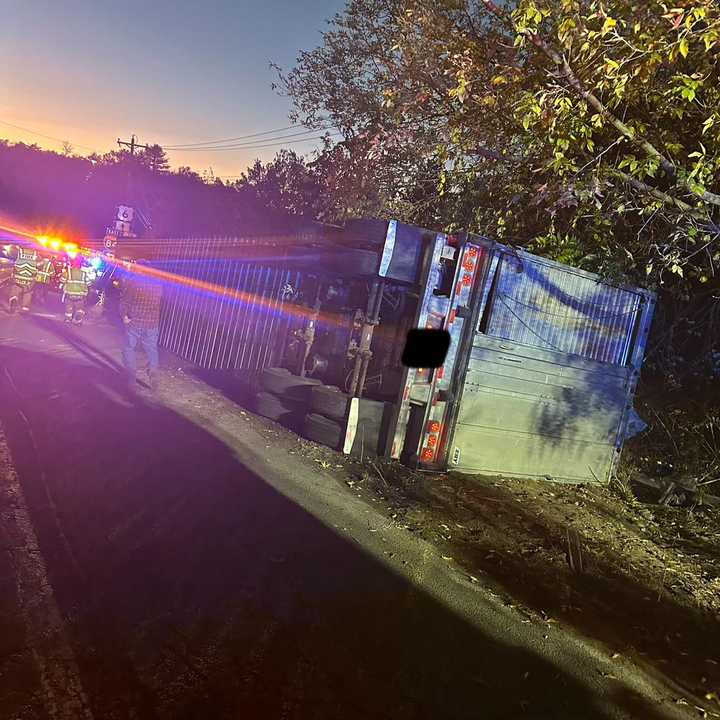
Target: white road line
x=63 y=692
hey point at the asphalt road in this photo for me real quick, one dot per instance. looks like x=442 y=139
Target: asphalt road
x=162 y=560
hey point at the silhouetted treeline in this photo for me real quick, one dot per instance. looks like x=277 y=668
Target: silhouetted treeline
x=49 y=191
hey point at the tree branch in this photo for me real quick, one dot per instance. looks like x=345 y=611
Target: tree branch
x=592 y=100
x=659 y=195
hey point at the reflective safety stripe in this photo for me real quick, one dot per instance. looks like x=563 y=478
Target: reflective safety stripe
x=75 y=285
x=25 y=267
x=45 y=271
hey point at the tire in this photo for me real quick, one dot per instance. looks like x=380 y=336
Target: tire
x=273 y=408
x=283 y=383
x=329 y=401
x=322 y=430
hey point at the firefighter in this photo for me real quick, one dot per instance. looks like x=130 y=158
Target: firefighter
x=75 y=291
x=23 y=279
x=43 y=278
x=6 y=265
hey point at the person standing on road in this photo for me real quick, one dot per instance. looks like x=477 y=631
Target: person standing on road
x=6 y=265
x=43 y=278
x=140 y=312
x=23 y=279
x=75 y=291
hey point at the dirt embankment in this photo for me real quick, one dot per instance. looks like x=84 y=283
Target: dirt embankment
x=649 y=588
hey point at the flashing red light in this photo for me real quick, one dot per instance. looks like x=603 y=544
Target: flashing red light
x=469 y=264
x=55 y=244
x=432 y=441
x=428 y=454
x=472 y=252
x=43 y=240
x=467 y=280
x=434 y=426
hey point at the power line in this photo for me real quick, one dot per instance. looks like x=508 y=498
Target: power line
x=232 y=148
x=244 y=144
x=242 y=137
x=47 y=137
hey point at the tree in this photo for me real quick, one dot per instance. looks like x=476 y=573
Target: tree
x=154 y=158
x=285 y=183
x=49 y=192
x=586 y=129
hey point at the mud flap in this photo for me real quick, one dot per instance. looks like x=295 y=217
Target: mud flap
x=352 y=425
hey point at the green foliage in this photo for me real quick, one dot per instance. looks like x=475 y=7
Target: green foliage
x=587 y=130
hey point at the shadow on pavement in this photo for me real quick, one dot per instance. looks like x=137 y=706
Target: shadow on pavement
x=524 y=551
x=73 y=337
x=192 y=589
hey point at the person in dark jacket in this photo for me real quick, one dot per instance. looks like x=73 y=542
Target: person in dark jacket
x=43 y=279
x=140 y=312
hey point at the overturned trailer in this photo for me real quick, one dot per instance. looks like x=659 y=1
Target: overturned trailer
x=543 y=363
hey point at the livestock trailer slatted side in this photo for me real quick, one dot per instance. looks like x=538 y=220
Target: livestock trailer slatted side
x=223 y=313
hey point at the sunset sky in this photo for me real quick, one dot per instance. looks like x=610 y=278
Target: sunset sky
x=170 y=71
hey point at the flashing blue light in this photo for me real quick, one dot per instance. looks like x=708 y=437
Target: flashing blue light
x=96 y=262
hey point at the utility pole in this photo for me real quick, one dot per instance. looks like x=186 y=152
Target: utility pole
x=132 y=144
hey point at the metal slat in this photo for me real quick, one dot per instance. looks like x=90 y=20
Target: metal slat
x=209 y=311
x=194 y=302
x=275 y=309
x=184 y=299
x=219 y=320
x=238 y=316
x=173 y=290
x=248 y=318
x=205 y=302
x=547 y=305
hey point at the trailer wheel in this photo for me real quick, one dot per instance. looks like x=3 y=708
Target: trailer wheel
x=323 y=430
x=273 y=407
x=282 y=382
x=329 y=401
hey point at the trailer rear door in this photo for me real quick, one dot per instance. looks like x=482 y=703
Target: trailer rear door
x=552 y=366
